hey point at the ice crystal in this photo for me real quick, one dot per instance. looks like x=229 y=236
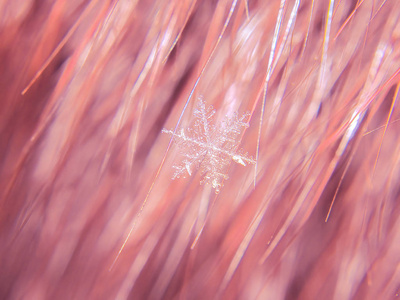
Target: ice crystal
x=210 y=148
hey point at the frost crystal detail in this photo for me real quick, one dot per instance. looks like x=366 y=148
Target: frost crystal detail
x=210 y=148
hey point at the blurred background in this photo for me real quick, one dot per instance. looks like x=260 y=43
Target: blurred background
x=88 y=207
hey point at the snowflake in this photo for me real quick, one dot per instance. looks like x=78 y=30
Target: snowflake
x=208 y=148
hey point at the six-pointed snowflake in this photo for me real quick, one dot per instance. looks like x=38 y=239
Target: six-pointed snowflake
x=210 y=148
